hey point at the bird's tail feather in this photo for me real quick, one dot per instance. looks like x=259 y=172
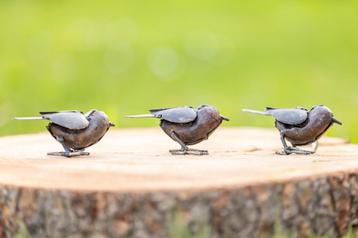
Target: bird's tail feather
x=141 y=116
x=255 y=111
x=28 y=118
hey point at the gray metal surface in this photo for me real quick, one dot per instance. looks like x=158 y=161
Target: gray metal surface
x=289 y=116
x=73 y=120
x=176 y=115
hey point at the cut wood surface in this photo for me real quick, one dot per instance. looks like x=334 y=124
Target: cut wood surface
x=138 y=160
x=130 y=186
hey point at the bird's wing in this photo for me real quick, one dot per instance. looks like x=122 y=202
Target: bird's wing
x=289 y=116
x=69 y=111
x=73 y=120
x=176 y=115
x=158 y=110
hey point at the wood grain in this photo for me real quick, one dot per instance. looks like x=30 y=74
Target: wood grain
x=131 y=186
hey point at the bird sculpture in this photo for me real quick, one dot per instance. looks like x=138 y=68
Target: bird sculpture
x=300 y=126
x=74 y=130
x=187 y=125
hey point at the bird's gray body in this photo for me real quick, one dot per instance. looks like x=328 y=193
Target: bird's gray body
x=319 y=120
x=187 y=125
x=300 y=126
x=81 y=138
x=199 y=128
x=74 y=130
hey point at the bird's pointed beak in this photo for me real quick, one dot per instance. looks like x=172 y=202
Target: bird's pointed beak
x=224 y=118
x=334 y=120
x=112 y=124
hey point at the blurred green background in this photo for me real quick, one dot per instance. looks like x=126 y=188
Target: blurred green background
x=125 y=57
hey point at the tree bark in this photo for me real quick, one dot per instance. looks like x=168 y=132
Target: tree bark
x=242 y=189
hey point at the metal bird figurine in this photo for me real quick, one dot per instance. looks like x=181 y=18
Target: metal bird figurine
x=300 y=126
x=74 y=130
x=187 y=125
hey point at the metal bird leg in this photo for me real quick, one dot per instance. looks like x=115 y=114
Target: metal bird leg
x=69 y=153
x=295 y=150
x=287 y=150
x=185 y=150
x=315 y=147
x=305 y=152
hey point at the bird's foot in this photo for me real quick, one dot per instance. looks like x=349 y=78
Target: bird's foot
x=197 y=152
x=68 y=154
x=282 y=152
x=293 y=150
x=188 y=151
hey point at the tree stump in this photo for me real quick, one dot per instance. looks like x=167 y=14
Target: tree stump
x=130 y=186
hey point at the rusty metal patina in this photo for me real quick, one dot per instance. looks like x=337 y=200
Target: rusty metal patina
x=300 y=126
x=187 y=126
x=74 y=130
